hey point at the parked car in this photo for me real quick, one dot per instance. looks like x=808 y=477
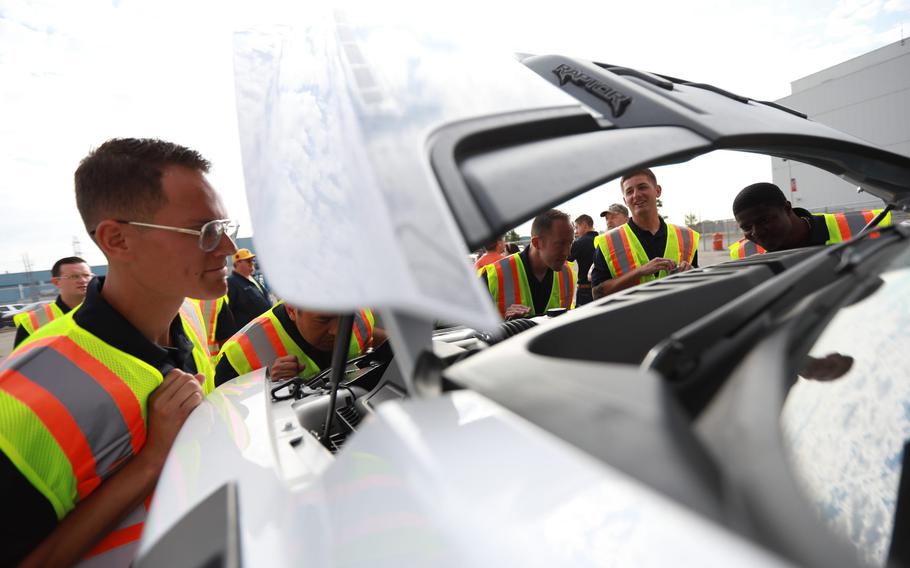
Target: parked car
x=750 y=413
x=7 y=312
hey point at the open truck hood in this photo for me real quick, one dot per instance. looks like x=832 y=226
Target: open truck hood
x=375 y=151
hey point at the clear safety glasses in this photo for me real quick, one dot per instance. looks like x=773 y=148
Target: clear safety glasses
x=209 y=235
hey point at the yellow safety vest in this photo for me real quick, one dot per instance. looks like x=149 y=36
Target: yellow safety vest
x=508 y=284
x=623 y=251
x=264 y=339
x=210 y=310
x=841 y=227
x=73 y=410
x=34 y=319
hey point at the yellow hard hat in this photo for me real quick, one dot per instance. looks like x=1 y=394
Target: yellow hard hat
x=242 y=254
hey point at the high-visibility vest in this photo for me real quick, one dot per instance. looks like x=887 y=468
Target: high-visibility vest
x=623 y=251
x=508 y=283
x=264 y=339
x=34 y=319
x=73 y=410
x=210 y=310
x=841 y=227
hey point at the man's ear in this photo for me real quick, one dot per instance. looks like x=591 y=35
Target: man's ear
x=292 y=313
x=535 y=241
x=658 y=190
x=112 y=240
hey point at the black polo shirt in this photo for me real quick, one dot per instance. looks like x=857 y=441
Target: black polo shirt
x=323 y=359
x=583 y=253
x=540 y=289
x=30 y=517
x=22 y=333
x=818 y=229
x=654 y=246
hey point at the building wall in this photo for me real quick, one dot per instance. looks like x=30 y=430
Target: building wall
x=16 y=287
x=868 y=97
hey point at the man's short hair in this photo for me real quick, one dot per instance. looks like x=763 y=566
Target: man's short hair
x=55 y=271
x=543 y=222
x=492 y=245
x=638 y=172
x=762 y=193
x=585 y=219
x=121 y=179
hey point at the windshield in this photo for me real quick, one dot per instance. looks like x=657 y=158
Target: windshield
x=847 y=418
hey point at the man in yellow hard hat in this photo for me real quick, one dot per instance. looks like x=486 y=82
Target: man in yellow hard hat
x=247 y=298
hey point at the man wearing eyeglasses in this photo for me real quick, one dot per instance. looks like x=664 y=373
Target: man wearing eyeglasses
x=91 y=402
x=71 y=276
x=246 y=297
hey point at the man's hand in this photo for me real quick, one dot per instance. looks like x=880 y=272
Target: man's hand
x=517 y=311
x=682 y=266
x=168 y=408
x=655 y=265
x=285 y=367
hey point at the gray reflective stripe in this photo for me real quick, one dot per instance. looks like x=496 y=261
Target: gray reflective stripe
x=684 y=254
x=750 y=248
x=41 y=314
x=855 y=221
x=566 y=287
x=622 y=259
x=259 y=341
x=122 y=555
x=208 y=308
x=507 y=284
x=362 y=329
x=90 y=405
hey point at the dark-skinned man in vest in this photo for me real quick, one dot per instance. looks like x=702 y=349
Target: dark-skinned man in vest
x=645 y=248
x=70 y=275
x=291 y=342
x=91 y=403
x=538 y=278
x=770 y=223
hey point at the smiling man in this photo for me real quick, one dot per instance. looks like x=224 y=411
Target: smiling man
x=538 y=278
x=70 y=275
x=90 y=403
x=645 y=248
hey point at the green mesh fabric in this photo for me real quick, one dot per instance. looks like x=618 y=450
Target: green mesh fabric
x=35 y=452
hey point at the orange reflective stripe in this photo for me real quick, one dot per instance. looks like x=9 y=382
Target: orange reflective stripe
x=366 y=322
x=845 y=233
x=49 y=311
x=628 y=248
x=117 y=538
x=248 y=351
x=33 y=317
x=358 y=337
x=502 y=293
x=562 y=289
x=741 y=250
x=120 y=393
x=61 y=425
x=869 y=216
x=515 y=280
x=680 y=244
x=272 y=334
x=212 y=319
x=615 y=264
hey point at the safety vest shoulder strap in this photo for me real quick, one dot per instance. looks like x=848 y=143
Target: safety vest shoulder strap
x=508 y=283
x=682 y=243
x=362 y=334
x=32 y=320
x=845 y=225
x=623 y=251
x=743 y=248
x=562 y=295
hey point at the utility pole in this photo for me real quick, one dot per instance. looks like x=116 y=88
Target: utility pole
x=77 y=246
x=30 y=286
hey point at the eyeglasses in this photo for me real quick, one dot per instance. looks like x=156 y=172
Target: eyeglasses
x=209 y=235
x=76 y=277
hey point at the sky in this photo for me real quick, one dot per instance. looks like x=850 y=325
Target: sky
x=73 y=74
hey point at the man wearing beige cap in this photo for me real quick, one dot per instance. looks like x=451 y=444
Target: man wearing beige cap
x=616 y=215
x=246 y=297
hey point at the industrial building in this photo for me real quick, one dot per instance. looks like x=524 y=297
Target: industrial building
x=868 y=97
